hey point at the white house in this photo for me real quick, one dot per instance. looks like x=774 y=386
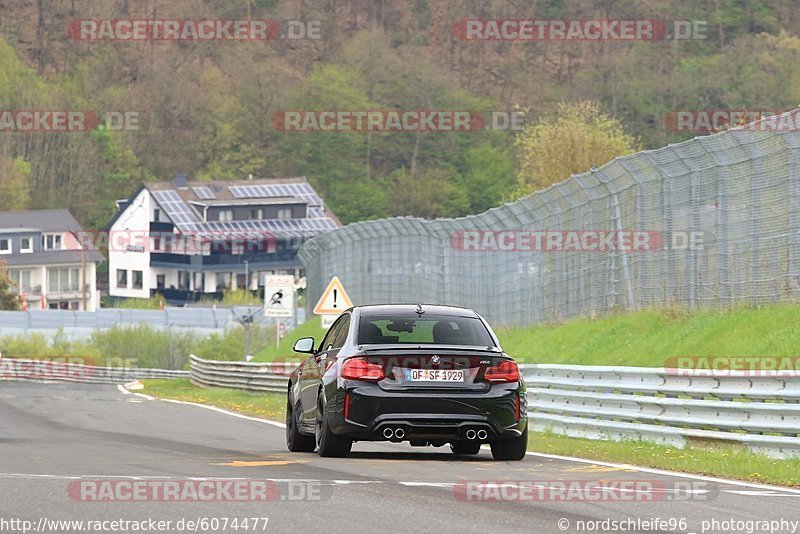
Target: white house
x=50 y=266
x=184 y=239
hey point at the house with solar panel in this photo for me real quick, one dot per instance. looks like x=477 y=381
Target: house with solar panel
x=188 y=239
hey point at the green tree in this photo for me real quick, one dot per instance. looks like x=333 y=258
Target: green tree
x=8 y=299
x=576 y=138
x=14 y=184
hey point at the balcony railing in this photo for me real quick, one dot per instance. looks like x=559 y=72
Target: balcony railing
x=197 y=260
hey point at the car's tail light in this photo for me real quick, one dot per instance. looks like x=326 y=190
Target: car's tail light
x=361 y=369
x=505 y=372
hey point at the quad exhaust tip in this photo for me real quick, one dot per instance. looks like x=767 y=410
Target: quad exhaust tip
x=399 y=433
x=482 y=434
x=388 y=433
x=471 y=434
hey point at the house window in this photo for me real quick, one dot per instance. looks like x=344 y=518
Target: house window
x=284 y=213
x=21 y=279
x=63 y=279
x=226 y=215
x=137 y=279
x=199 y=280
x=5 y=246
x=26 y=244
x=223 y=281
x=51 y=242
x=156 y=215
x=122 y=278
x=183 y=280
x=156 y=243
x=161 y=281
x=257 y=213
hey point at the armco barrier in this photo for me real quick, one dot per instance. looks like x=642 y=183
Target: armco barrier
x=607 y=403
x=616 y=403
x=49 y=370
x=248 y=376
x=758 y=410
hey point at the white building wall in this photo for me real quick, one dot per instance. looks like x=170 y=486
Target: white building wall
x=129 y=247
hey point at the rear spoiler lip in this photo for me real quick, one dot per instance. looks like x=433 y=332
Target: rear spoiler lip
x=441 y=349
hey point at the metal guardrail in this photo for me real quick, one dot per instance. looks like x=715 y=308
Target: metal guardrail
x=248 y=376
x=81 y=324
x=758 y=410
x=615 y=403
x=761 y=412
x=50 y=370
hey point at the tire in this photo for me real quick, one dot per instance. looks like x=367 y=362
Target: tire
x=329 y=444
x=465 y=447
x=295 y=441
x=510 y=449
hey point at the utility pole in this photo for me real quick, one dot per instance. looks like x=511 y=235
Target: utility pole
x=83 y=278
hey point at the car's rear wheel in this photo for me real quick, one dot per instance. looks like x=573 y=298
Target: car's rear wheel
x=465 y=447
x=329 y=444
x=510 y=449
x=295 y=441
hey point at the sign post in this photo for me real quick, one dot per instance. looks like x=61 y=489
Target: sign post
x=332 y=303
x=279 y=296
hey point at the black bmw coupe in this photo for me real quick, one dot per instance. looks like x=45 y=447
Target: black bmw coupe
x=428 y=375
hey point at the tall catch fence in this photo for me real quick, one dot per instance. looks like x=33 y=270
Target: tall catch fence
x=712 y=221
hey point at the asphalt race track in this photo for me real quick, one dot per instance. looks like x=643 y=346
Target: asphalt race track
x=54 y=437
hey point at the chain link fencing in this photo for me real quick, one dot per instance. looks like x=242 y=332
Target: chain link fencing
x=713 y=221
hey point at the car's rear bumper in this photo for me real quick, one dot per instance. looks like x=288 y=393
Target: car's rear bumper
x=432 y=416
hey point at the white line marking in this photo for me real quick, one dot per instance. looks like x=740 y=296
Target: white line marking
x=639 y=469
x=205 y=406
x=663 y=472
x=140 y=395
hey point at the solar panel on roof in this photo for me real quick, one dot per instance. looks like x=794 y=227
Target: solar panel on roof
x=203 y=192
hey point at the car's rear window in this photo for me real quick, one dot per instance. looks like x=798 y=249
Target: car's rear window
x=444 y=330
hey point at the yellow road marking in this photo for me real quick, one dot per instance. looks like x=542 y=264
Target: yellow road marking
x=594 y=468
x=261 y=463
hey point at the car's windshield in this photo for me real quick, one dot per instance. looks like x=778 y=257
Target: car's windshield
x=412 y=329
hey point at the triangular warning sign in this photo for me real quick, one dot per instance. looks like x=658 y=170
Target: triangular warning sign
x=334 y=300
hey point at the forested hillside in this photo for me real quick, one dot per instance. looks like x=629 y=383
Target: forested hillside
x=205 y=107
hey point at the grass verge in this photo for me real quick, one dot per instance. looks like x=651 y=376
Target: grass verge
x=723 y=461
x=646 y=338
x=726 y=462
x=267 y=405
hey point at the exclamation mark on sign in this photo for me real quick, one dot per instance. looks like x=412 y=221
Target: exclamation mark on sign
x=334 y=297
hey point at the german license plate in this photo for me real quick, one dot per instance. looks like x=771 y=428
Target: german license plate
x=434 y=375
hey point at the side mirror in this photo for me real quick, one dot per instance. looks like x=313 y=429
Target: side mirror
x=304 y=345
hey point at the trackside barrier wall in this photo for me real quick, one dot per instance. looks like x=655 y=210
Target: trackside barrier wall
x=736 y=194
x=666 y=406
x=760 y=411
x=48 y=370
x=615 y=403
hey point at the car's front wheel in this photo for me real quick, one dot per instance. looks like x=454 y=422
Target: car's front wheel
x=510 y=449
x=328 y=443
x=295 y=441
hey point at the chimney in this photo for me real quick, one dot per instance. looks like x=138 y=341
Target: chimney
x=180 y=181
